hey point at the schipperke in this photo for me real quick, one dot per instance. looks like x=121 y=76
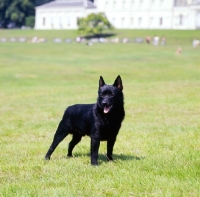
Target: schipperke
x=101 y=121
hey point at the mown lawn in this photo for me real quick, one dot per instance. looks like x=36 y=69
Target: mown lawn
x=157 y=152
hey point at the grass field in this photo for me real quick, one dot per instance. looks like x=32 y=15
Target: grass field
x=157 y=152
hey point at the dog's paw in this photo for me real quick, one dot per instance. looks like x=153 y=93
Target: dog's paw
x=47 y=158
x=109 y=158
x=94 y=164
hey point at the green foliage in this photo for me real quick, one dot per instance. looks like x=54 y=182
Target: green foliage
x=3 y=6
x=16 y=11
x=30 y=21
x=94 y=24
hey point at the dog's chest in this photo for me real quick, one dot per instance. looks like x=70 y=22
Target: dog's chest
x=107 y=129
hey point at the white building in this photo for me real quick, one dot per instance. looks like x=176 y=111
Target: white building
x=123 y=14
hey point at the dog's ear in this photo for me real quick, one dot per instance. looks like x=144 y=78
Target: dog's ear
x=101 y=82
x=118 y=83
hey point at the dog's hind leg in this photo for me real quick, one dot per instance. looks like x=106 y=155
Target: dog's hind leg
x=75 y=140
x=60 y=134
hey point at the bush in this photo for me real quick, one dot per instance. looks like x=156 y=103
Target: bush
x=94 y=24
x=30 y=21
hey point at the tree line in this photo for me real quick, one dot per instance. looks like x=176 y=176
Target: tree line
x=17 y=13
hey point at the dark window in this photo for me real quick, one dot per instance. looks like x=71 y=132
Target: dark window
x=139 y=20
x=181 y=19
x=161 y=21
x=122 y=22
x=43 y=21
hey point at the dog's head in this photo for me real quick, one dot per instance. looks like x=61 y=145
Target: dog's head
x=110 y=96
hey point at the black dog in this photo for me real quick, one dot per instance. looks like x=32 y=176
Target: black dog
x=100 y=121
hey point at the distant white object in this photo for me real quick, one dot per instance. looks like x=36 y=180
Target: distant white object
x=89 y=43
x=101 y=40
x=138 y=40
x=94 y=40
x=57 y=40
x=163 y=41
x=34 y=39
x=3 y=39
x=178 y=51
x=125 y=40
x=115 y=40
x=41 y=40
x=156 y=40
x=68 y=40
x=78 y=39
x=22 y=39
x=195 y=43
x=13 y=39
x=25 y=27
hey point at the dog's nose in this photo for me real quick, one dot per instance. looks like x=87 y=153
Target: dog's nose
x=104 y=103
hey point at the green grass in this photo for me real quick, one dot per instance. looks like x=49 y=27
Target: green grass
x=157 y=152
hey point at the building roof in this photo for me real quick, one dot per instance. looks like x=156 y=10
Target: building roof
x=68 y=3
x=196 y=2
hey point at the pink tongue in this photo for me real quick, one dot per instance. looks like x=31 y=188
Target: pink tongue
x=106 y=110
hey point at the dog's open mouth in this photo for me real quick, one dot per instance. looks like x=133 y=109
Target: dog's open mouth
x=106 y=109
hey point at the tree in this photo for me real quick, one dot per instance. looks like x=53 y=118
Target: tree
x=3 y=6
x=94 y=24
x=30 y=21
x=16 y=11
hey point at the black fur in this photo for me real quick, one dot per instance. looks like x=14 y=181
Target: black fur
x=101 y=121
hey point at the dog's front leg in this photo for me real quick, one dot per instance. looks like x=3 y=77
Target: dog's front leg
x=110 y=145
x=95 y=143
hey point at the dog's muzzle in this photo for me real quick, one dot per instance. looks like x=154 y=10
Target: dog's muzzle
x=106 y=109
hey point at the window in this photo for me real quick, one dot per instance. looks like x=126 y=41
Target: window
x=124 y=5
x=114 y=4
x=161 y=21
x=43 y=21
x=132 y=4
x=106 y=4
x=122 y=22
x=52 y=20
x=113 y=21
x=151 y=20
x=141 y=3
x=180 y=19
x=139 y=20
x=60 y=21
x=161 y=3
x=132 y=21
x=68 y=21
